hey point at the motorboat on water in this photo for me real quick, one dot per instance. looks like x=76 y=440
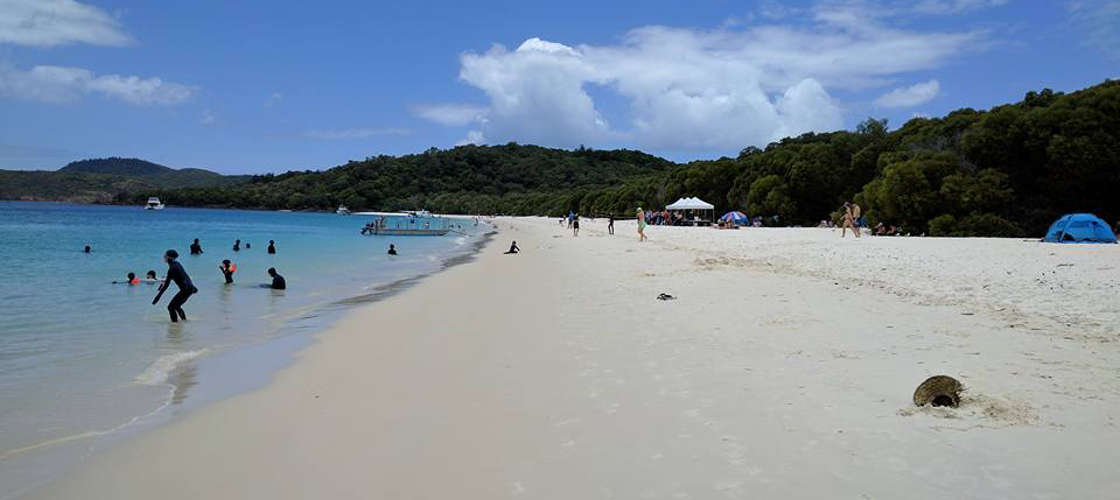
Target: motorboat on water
x=410 y=223
x=154 y=204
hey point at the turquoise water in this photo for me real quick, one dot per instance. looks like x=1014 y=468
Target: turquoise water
x=81 y=358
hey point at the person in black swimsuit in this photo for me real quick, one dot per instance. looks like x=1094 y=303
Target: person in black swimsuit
x=175 y=273
x=271 y=246
x=392 y=249
x=196 y=249
x=278 y=282
x=513 y=248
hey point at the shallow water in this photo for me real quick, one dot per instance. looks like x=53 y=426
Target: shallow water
x=82 y=358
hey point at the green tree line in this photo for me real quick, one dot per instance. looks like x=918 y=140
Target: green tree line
x=1008 y=171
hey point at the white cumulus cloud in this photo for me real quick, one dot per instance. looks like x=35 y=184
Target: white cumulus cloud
x=48 y=23
x=688 y=89
x=907 y=97
x=60 y=84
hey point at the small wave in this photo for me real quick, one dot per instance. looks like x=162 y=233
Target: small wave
x=157 y=372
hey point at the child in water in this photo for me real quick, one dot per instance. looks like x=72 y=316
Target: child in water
x=228 y=268
x=132 y=280
x=150 y=277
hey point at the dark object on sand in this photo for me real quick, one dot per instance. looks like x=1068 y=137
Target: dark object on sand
x=939 y=390
x=666 y=296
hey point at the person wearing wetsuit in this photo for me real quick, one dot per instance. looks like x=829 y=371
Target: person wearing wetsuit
x=278 y=282
x=196 y=249
x=392 y=249
x=237 y=246
x=176 y=273
x=513 y=248
x=227 y=269
x=271 y=246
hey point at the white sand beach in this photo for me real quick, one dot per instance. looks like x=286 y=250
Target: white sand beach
x=783 y=369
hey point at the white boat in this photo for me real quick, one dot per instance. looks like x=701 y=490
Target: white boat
x=154 y=204
x=342 y=210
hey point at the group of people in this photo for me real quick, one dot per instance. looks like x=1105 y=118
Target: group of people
x=178 y=275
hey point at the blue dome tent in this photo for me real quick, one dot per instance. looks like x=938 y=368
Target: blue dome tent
x=739 y=218
x=1080 y=228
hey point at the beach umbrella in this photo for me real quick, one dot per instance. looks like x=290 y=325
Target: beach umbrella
x=737 y=217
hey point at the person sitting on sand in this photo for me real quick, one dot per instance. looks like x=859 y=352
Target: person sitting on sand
x=513 y=248
x=278 y=282
x=392 y=249
x=228 y=268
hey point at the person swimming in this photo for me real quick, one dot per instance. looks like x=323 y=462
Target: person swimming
x=237 y=246
x=278 y=282
x=151 y=277
x=392 y=249
x=132 y=280
x=513 y=248
x=228 y=268
x=178 y=275
x=271 y=247
x=196 y=249
x=87 y=249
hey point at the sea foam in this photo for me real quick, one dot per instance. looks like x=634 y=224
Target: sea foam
x=158 y=371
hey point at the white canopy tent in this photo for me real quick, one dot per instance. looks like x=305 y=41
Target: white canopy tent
x=690 y=204
x=693 y=203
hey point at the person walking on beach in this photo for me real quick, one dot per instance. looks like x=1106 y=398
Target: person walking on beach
x=178 y=275
x=851 y=214
x=610 y=224
x=271 y=247
x=641 y=224
x=228 y=268
x=196 y=249
x=237 y=246
x=575 y=226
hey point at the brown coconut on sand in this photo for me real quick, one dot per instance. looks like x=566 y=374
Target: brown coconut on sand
x=939 y=390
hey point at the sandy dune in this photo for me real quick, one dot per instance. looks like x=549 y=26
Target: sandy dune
x=784 y=369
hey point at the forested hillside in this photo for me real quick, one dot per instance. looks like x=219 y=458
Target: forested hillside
x=105 y=180
x=1008 y=171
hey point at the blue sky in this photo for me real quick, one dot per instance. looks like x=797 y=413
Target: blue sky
x=250 y=87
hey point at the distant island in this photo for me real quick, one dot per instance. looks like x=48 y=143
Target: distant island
x=105 y=180
x=1008 y=171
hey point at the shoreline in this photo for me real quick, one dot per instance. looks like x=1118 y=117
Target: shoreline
x=210 y=377
x=556 y=374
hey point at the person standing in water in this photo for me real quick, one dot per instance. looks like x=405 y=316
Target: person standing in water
x=178 y=275
x=641 y=224
x=278 y=282
x=237 y=246
x=228 y=268
x=271 y=247
x=196 y=249
x=392 y=249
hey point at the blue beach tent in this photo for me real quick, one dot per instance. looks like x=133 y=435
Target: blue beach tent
x=1080 y=228
x=739 y=218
